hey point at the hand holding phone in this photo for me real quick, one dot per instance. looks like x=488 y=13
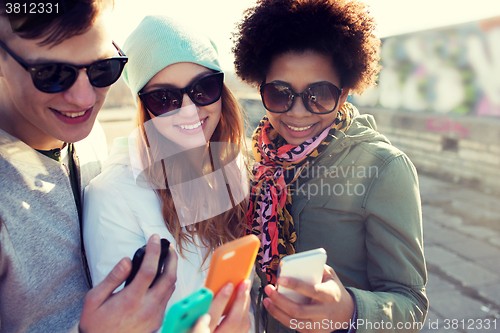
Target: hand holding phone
x=305 y=266
x=136 y=306
x=139 y=256
x=183 y=315
x=232 y=263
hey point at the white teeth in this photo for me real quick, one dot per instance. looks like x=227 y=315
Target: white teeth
x=73 y=114
x=190 y=127
x=299 y=129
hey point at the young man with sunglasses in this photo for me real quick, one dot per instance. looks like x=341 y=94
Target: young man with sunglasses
x=54 y=77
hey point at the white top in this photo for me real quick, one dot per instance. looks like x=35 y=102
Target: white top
x=120 y=216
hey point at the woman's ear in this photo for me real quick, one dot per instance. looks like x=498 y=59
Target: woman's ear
x=344 y=95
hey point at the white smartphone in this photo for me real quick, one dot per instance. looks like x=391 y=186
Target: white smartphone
x=306 y=266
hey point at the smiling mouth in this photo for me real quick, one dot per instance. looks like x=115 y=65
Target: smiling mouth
x=72 y=114
x=299 y=129
x=193 y=126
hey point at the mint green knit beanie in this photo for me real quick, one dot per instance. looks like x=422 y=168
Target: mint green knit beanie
x=160 y=41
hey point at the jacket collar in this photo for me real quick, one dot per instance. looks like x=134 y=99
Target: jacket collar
x=363 y=129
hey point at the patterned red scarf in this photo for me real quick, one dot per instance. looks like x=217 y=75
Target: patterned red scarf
x=277 y=166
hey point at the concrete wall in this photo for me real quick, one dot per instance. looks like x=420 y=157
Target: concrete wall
x=457 y=148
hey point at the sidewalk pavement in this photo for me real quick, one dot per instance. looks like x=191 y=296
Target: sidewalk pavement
x=462 y=248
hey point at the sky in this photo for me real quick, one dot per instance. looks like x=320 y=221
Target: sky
x=218 y=18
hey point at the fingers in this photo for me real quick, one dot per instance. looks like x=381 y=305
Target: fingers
x=238 y=317
x=290 y=308
x=329 y=300
x=280 y=304
x=277 y=313
x=241 y=303
x=135 y=308
x=302 y=287
x=165 y=285
x=149 y=266
x=202 y=324
x=314 y=292
x=219 y=303
x=285 y=310
x=329 y=274
x=97 y=295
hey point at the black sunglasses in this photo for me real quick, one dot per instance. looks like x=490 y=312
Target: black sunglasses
x=319 y=97
x=202 y=92
x=56 y=77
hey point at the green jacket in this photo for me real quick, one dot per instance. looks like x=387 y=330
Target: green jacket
x=360 y=201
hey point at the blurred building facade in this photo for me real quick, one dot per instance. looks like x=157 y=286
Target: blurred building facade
x=438 y=99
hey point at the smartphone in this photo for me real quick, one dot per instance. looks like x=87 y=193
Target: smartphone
x=232 y=262
x=139 y=256
x=183 y=315
x=306 y=266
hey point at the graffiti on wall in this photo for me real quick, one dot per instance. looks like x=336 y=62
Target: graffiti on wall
x=448 y=70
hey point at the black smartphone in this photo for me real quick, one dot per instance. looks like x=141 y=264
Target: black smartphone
x=139 y=256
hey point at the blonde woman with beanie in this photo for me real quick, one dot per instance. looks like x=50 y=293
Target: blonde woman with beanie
x=180 y=174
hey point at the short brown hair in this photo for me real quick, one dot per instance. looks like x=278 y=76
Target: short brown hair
x=340 y=29
x=76 y=21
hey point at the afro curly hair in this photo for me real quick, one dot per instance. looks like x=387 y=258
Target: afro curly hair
x=341 y=29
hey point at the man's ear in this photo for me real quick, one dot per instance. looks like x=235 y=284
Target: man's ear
x=3 y=61
x=4 y=31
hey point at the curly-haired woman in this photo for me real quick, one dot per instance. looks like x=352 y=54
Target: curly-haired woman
x=324 y=177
